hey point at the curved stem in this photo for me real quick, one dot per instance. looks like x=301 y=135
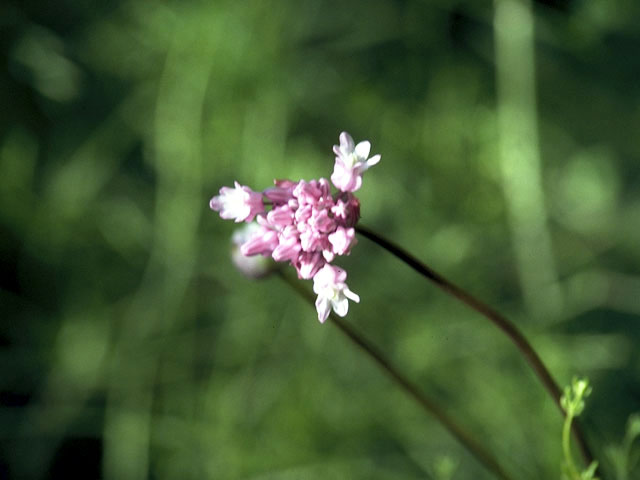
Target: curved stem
x=530 y=355
x=566 y=447
x=427 y=404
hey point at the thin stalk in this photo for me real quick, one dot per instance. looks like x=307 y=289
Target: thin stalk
x=566 y=446
x=530 y=355
x=474 y=446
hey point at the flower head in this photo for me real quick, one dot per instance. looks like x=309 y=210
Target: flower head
x=306 y=225
x=351 y=162
x=239 y=203
x=333 y=293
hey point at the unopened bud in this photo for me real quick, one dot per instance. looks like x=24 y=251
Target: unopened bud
x=255 y=266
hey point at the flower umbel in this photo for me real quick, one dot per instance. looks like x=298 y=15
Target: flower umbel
x=307 y=225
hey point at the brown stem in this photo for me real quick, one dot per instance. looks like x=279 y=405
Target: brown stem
x=427 y=404
x=530 y=355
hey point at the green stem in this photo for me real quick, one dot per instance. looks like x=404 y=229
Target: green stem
x=566 y=447
x=474 y=446
x=530 y=355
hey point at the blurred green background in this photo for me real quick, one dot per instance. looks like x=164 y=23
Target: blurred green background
x=132 y=349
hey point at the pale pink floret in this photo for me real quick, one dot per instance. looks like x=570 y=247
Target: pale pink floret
x=321 y=222
x=342 y=240
x=281 y=193
x=240 y=203
x=333 y=293
x=328 y=254
x=307 y=192
x=254 y=266
x=308 y=264
x=310 y=239
x=351 y=162
x=281 y=216
x=303 y=213
x=287 y=250
x=346 y=209
x=261 y=242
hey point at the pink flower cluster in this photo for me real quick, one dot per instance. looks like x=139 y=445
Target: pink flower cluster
x=307 y=225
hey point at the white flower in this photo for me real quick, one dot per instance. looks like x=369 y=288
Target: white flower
x=239 y=203
x=332 y=292
x=351 y=162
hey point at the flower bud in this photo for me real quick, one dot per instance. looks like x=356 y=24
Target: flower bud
x=255 y=266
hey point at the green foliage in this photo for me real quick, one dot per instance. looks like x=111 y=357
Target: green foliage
x=132 y=349
x=626 y=456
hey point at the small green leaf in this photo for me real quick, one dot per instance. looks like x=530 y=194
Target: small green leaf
x=589 y=473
